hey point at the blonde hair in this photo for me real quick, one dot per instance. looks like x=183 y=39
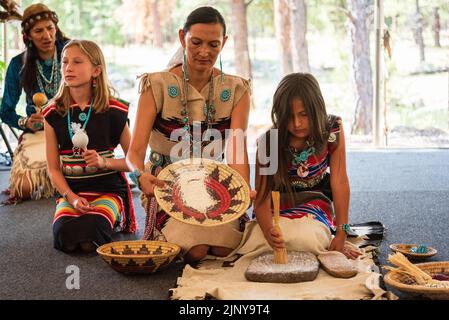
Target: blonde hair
x=103 y=91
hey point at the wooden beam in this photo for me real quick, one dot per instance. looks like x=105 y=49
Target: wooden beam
x=379 y=24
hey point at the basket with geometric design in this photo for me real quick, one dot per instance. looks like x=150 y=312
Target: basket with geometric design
x=138 y=256
x=202 y=192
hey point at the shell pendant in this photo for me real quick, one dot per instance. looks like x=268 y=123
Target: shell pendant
x=80 y=141
x=302 y=171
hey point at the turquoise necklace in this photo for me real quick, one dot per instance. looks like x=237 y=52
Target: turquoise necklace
x=299 y=159
x=82 y=117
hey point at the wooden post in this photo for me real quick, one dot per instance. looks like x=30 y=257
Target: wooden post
x=5 y=42
x=379 y=23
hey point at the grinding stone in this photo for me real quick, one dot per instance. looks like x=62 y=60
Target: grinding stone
x=336 y=264
x=301 y=267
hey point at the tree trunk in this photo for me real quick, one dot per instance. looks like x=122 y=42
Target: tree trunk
x=158 y=39
x=298 y=21
x=361 y=66
x=282 y=27
x=241 y=51
x=17 y=39
x=418 y=32
x=139 y=12
x=436 y=27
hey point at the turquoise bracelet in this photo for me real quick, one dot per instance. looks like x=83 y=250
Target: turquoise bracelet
x=345 y=227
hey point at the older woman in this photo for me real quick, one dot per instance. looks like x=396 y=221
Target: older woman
x=37 y=69
x=181 y=98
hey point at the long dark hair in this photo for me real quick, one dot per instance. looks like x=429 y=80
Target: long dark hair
x=305 y=87
x=29 y=70
x=204 y=15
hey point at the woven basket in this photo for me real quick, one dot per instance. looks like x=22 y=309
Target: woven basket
x=405 y=249
x=138 y=256
x=407 y=283
x=193 y=183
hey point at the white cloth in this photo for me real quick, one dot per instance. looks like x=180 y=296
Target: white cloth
x=229 y=283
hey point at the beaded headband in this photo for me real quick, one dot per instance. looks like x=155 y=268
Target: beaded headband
x=33 y=19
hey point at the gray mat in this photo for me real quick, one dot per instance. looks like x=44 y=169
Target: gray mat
x=406 y=190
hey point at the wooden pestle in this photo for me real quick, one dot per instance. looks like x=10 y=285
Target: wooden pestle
x=280 y=255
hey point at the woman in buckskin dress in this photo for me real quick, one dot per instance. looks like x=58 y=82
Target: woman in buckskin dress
x=190 y=95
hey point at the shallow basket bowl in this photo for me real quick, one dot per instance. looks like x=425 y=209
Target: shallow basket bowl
x=406 y=283
x=404 y=248
x=138 y=256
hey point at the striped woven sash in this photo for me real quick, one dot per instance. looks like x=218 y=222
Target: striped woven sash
x=76 y=167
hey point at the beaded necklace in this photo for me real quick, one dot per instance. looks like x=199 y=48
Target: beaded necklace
x=299 y=159
x=51 y=85
x=208 y=110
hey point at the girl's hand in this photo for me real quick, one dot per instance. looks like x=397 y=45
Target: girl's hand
x=82 y=205
x=274 y=239
x=147 y=182
x=93 y=159
x=338 y=244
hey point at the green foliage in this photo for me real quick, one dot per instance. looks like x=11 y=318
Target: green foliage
x=400 y=13
x=2 y=71
x=260 y=18
x=87 y=19
x=329 y=49
x=325 y=16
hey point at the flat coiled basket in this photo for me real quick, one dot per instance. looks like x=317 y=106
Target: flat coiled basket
x=138 y=256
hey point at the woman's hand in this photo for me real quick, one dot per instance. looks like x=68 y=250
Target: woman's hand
x=338 y=244
x=147 y=182
x=93 y=159
x=274 y=239
x=35 y=122
x=252 y=197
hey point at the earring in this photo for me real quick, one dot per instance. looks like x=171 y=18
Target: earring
x=94 y=83
x=30 y=44
x=221 y=71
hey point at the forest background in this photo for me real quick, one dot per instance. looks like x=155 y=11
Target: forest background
x=332 y=39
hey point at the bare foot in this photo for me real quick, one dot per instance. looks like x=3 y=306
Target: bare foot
x=88 y=246
x=196 y=253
